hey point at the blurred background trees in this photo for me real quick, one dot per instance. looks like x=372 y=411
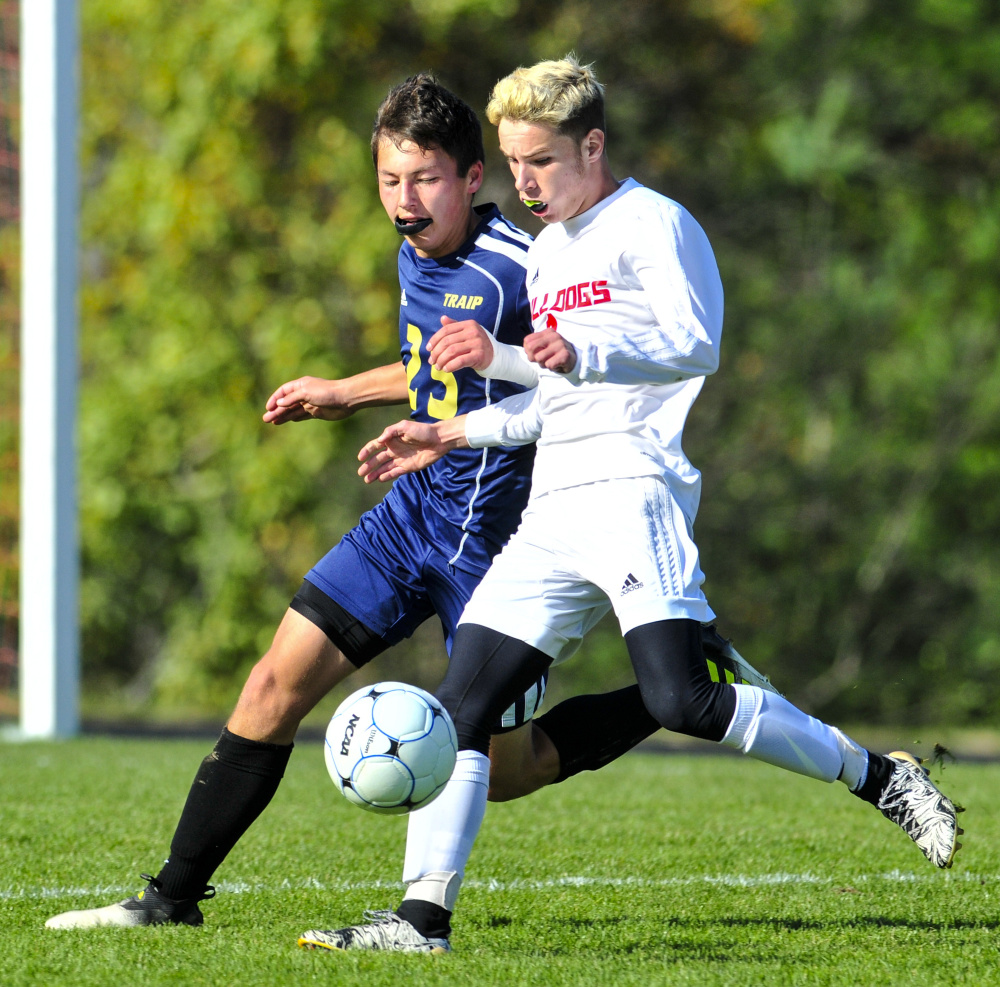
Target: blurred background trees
x=844 y=159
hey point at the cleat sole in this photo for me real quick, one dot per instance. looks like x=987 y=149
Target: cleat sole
x=312 y=944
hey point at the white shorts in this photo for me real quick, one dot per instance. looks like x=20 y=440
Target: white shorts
x=579 y=552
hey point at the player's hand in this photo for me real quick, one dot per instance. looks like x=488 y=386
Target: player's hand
x=308 y=397
x=548 y=349
x=457 y=345
x=405 y=447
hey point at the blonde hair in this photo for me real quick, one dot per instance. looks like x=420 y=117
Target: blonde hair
x=563 y=94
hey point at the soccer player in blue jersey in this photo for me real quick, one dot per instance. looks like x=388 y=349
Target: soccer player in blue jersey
x=424 y=548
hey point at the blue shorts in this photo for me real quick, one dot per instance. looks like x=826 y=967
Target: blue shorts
x=391 y=578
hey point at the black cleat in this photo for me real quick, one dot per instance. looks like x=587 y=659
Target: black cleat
x=148 y=907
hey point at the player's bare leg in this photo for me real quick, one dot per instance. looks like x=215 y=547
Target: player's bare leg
x=299 y=669
x=521 y=761
x=237 y=780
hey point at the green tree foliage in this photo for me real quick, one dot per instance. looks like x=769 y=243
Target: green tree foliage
x=229 y=246
x=843 y=158
x=860 y=415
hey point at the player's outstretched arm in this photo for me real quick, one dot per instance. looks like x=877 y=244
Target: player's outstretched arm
x=333 y=400
x=409 y=446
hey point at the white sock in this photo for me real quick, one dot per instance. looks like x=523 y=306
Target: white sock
x=769 y=728
x=855 y=769
x=439 y=837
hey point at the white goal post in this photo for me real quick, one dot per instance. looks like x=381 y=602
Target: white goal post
x=49 y=636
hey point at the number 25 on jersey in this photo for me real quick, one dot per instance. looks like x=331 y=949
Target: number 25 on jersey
x=436 y=407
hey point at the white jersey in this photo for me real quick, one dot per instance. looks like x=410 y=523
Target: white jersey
x=633 y=284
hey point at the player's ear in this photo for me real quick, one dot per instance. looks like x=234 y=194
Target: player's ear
x=593 y=145
x=475 y=177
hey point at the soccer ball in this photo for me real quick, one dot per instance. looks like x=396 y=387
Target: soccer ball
x=390 y=747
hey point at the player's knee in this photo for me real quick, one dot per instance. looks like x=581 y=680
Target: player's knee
x=677 y=689
x=266 y=707
x=693 y=712
x=467 y=715
x=669 y=710
x=263 y=686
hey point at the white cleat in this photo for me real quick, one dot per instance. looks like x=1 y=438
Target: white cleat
x=915 y=804
x=384 y=930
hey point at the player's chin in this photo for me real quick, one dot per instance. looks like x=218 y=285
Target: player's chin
x=548 y=215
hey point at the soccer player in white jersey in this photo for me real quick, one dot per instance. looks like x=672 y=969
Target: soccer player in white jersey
x=626 y=303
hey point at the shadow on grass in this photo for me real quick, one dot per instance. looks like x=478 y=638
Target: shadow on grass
x=714 y=939
x=821 y=925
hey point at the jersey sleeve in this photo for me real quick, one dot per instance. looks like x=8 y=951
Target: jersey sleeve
x=672 y=263
x=514 y=421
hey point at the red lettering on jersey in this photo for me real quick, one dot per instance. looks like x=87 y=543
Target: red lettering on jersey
x=551 y=322
x=601 y=293
x=581 y=295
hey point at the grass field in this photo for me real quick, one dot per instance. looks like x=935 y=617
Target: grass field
x=662 y=869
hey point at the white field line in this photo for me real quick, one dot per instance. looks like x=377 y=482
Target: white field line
x=492 y=884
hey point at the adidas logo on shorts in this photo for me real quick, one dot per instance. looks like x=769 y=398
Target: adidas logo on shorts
x=631 y=583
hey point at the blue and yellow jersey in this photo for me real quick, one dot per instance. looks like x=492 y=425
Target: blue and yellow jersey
x=470 y=501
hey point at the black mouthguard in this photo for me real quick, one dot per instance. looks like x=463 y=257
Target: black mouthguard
x=411 y=229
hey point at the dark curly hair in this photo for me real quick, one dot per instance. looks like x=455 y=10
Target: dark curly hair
x=423 y=111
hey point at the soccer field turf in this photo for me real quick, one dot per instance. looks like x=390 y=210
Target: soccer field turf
x=661 y=869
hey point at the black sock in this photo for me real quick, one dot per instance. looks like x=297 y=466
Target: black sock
x=591 y=731
x=428 y=919
x=879 y=772
x=231 y=789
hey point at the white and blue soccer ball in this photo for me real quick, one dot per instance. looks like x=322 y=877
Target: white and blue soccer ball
x=390 y=747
